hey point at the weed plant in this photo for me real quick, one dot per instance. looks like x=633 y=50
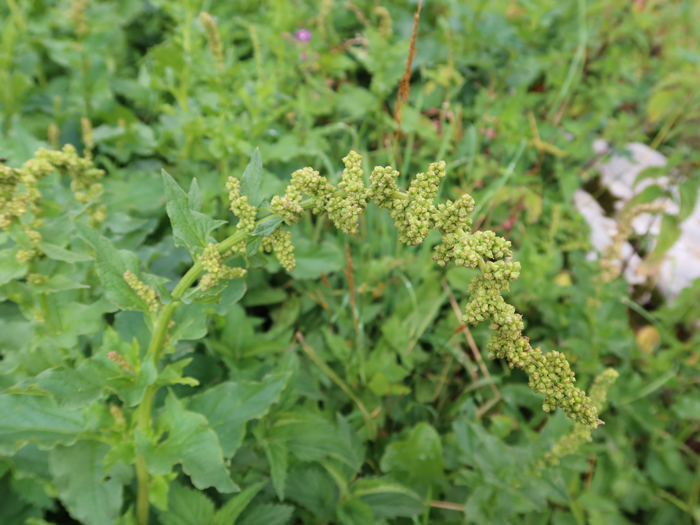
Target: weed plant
x=208 y=317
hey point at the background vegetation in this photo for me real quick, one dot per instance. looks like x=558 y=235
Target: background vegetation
x=511 y=94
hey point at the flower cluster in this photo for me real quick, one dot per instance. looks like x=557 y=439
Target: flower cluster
x=382 y=187
x=240 y=206
x=120 y=360
x=569 y=443
x=213 y=38
x=345 y=210
x=213 y=263
x=19 y=193
x=142 y=290
x=415 y=215
x=412 y=212
x=281 y=242
x=304 y=181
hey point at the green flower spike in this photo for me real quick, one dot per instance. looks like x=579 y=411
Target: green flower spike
x=415 y=215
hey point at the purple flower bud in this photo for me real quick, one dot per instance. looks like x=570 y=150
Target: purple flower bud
x=303 y=56
x=303 y=35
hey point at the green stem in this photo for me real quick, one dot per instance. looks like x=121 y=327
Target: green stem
x=426 y=512
x=142 y=496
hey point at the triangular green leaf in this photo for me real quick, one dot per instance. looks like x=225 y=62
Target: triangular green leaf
x=190 y=442
x=190 y=228
x=229 y=405
x=111 y=264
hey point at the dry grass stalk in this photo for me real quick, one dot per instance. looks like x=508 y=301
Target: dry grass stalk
x=477 y=354
x=405 y=85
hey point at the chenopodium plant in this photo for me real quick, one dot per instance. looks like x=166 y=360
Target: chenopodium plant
x=44 y=407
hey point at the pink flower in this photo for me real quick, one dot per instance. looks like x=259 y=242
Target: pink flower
x=303 y=35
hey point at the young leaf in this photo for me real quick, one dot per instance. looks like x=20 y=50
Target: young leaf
x=251 y=182
x=190 y=323
x=190 y=442
x=80 y=481
x=32 y=418
x=228 y=514
x=268 y=226
x=187 y=507
x=234 y=292
x=190 y=228
x=111 y=264
x=229 y=406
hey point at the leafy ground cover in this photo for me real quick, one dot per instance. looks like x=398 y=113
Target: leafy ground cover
x=146 y=378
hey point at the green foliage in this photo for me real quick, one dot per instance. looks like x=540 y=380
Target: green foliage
x=163 y=347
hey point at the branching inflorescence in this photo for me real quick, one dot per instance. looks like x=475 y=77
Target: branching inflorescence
x=581 y=434
x=19 y=193
x=415 y=215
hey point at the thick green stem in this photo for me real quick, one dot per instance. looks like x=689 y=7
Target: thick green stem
x=142 y=496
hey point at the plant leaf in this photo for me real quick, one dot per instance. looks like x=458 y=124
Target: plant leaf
x=355 y=512
x=191 y=443
x=111 y=264
x=10 y=269
x=61 y=254
x=387 y=499
x=190 y=323
x=266 y=227
x=93 y=377
x=36 y=419
x=418 y=458
x=228 y=514
x=194 y=197
x=234 y=292
x=276 y=452
x=187 y=506
x=80 y=481
x=190 y=228
x=251 y=181
x=268 y=514
x=229 y=406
